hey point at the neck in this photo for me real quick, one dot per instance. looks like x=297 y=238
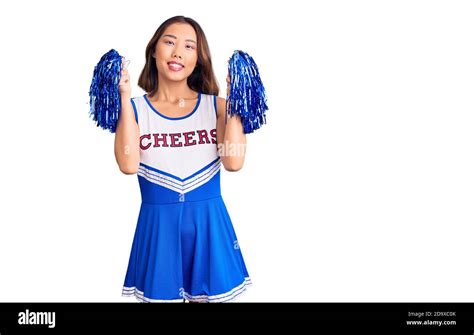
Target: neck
x=173 y=91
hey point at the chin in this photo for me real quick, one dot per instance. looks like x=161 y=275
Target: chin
x=173 y=76
x=176 y=78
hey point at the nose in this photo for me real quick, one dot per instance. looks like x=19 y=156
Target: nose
x=177 y=56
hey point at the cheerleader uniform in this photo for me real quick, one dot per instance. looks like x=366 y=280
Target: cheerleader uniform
x=184 y=246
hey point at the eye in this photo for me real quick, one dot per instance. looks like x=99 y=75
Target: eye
x=190 y=46
x=166 y=42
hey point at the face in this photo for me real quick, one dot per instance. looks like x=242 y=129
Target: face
x=176 y=52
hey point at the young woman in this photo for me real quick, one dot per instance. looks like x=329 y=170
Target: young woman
x=176 y=137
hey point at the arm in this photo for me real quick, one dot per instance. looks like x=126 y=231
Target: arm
x=231 y=139
x=127 y=137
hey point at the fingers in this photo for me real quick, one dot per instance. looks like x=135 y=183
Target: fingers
x=124 y=82
x=124 y=73
x=125 y=63
x=125 y=77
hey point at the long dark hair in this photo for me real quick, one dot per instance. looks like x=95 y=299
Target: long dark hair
x=201 y=80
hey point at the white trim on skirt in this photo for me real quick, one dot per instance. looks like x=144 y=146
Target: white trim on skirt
x=224 y=297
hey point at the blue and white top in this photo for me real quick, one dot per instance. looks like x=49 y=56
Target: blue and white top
x=177 y=154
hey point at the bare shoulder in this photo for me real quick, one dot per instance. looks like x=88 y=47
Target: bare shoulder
x=220 y=102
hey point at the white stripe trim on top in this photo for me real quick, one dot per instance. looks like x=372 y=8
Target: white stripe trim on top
x=177 y=185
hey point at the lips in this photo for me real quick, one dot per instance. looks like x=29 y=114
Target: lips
x=175 y=66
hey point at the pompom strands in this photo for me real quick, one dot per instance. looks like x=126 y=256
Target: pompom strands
x=247 y=96
x=104 y=91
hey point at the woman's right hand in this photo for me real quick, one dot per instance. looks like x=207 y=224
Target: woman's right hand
x=124 y=84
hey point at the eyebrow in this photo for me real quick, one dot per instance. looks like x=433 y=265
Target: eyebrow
x=172 y=36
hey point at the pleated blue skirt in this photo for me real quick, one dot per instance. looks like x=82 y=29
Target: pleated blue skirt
x=185 y=251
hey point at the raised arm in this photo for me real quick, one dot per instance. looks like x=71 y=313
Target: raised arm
x=127 y=135
x=231 y=139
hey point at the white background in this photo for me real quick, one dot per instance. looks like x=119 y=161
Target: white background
x=359 y=188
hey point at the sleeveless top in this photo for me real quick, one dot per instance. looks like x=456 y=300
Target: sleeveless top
x=178 y=156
